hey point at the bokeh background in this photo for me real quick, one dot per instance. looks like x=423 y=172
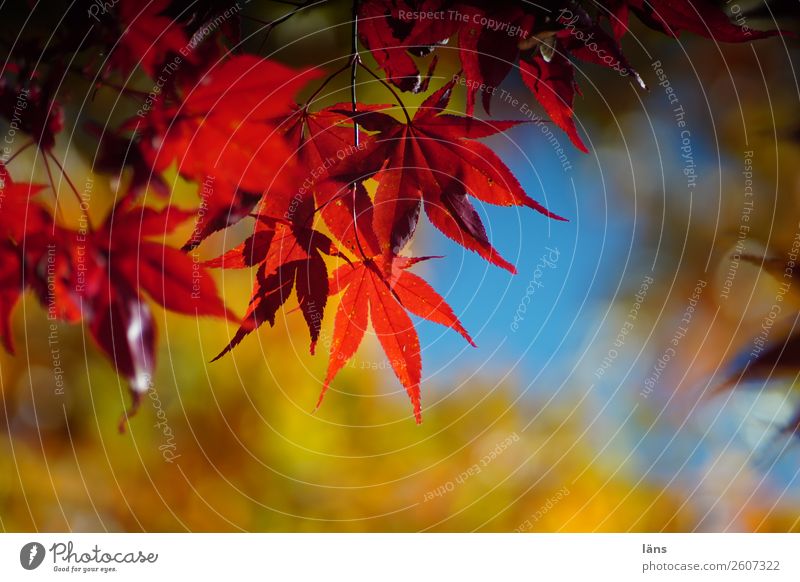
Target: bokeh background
x=522 y=433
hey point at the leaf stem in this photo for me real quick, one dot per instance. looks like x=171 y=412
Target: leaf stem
x=390 y=88
x=53 y=187
x=319 y=89
x=72 y=186
x=270 y=26
x=355 y=60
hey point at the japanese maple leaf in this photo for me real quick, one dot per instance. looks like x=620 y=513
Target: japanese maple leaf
x=147 y=37
x=285 y=246
x=547 y=70
x=617 y=13
x=317 y=142
x=288 y=253
x=488 y=55
x=169 y=276
x=30 y=104
x=18 y=214
x=434 y=161
x=52 y=257
x=10 y=290
x=224 y=126
x=392 y=36
x=113 y=266
x=322 y=140
x=553 y=84
x=382 y=290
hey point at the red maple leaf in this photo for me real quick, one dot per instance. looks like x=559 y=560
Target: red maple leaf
x=553 y=84
x=131 y=248
x=220 y=207
x=392 y=34
x=225 y=124
x=18 y=216
x=18 y=212
x=547 y=70
x=146 y=37
x=381 y=289
x=323 y=139
x=288 y=252
x=10 y=290
x=434 y=159
x=491 y=36
x=29 y=104
x=488 y=55
x=224 y=129
x=101 y=275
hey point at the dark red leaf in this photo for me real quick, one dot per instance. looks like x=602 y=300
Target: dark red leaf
x=553 y=85
x=392 y=36
x=289 y=256
x=703 y=17
x=146 y=38
x=433 y=159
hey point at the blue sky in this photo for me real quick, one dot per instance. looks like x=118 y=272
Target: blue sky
x=607 y=247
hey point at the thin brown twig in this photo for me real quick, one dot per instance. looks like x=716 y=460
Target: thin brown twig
x=127 y=91
x=270 y=26
x=53 y=187
x=18 y=152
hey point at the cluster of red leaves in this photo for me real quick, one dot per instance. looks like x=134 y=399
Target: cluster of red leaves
x=542 y=42
x=231 y=122
x=98 y=275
